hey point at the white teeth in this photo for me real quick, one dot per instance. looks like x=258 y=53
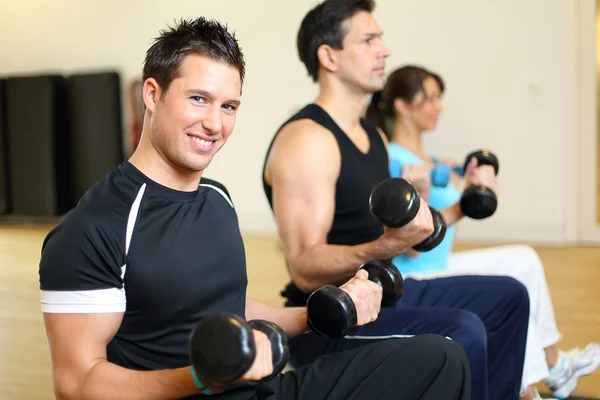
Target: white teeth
x=201 y=142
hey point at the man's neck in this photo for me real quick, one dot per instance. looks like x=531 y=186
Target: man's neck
x=343 y=105
x=407 y=136
x=156 y=167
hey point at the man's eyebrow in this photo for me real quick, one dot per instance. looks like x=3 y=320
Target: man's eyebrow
x=205 y=93
x=373 y=34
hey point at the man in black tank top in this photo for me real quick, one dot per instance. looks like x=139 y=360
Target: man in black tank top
x=154 y=246
x=319 y=171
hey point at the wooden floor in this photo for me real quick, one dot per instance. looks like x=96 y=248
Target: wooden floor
x=573 y=275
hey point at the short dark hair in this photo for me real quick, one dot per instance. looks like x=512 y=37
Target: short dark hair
x=323 y=25
x=404 y=83
x=209 y=38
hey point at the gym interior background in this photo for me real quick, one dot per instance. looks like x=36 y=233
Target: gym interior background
x=522 y=80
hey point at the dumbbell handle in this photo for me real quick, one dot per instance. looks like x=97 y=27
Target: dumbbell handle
x=385 y=274
x=332 y=312
x=279 y=343
x=440 y=174
x=479 y=202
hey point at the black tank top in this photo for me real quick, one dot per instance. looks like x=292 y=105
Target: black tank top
x=353 y=222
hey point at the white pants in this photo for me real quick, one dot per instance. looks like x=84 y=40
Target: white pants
x=522 y=263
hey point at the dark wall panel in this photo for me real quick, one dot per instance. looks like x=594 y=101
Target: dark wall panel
x=95 y=128
x=37 y=145
x=4 y=187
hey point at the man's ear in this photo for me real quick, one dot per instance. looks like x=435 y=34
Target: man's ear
x=151 y=94
x=328 y=58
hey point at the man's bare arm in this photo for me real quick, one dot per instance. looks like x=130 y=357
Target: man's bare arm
x=302 y=170
x=81 y=370
x=291 y=319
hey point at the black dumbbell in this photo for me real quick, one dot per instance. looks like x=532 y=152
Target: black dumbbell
x=478 y=201
x=395 y=202
x=331 y=311
x=386 y=275
x=222 y=347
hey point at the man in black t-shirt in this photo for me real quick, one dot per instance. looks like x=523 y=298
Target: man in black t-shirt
x=153 y=247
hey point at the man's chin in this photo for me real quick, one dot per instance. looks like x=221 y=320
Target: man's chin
x=197 y=163
x=376 y=86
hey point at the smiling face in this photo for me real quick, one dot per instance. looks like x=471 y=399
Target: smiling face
x=361 y=61
x=192 y=120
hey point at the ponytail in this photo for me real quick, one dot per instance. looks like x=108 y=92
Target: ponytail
x=375 y=114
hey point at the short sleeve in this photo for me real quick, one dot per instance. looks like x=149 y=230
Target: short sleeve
x=399 y=156
x=395 y=168
x=82 y=267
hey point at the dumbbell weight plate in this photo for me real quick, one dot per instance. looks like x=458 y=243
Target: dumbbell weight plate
x=331 y=312
x=478 y=202
x=221 y=347
x=439 y=232
x=384 y=273
x=394 y=202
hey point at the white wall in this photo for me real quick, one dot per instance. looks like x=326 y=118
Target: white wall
x=587 y=202
x=509 y=66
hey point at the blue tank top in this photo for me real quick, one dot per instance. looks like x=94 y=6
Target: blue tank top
x=439 y=197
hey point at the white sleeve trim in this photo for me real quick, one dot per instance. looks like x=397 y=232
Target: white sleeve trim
x=221 y=192
x=133 y=213
x=83 y=301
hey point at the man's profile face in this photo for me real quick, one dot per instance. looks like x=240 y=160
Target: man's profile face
x=363 y=53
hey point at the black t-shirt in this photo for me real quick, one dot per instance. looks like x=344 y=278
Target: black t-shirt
x=161 y=256
x=360 y=172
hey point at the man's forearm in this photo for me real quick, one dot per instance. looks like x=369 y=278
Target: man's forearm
x=109 y=381
x=324 y=264
x=291 y=319
x=451 y=215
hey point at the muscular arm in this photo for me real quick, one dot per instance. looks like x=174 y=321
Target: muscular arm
x=291 y=319
x=302 y=170
x=81 y=370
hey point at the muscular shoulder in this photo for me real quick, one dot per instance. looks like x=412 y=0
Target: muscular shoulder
x=305 y=144
x=103 y=208
x=304 y=132
x=86 y=249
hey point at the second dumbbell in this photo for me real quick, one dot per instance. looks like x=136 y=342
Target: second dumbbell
x=331 y=311
x=395 y=203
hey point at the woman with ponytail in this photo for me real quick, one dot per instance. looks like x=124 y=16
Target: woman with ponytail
x=408 y=107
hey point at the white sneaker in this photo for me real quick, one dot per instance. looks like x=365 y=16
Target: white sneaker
x=576 y=363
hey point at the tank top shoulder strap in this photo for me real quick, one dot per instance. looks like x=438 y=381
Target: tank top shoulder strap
x=374 y=136
x=317 y=114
